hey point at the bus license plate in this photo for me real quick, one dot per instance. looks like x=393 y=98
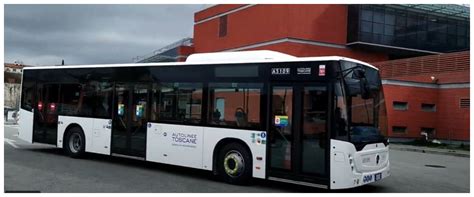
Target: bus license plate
x=378 y=176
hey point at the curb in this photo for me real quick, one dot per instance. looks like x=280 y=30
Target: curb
x=431 y=151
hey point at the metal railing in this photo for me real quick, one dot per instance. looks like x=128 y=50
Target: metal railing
x=448 y=62
x=182 y=42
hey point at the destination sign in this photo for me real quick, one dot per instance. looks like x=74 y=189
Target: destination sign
x=280 y=71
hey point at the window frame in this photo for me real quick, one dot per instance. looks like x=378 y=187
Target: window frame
x=210 y=106
x=222 y=28
x=395 y=131
x=432 y=107
x=394 y=103
x=184 y=121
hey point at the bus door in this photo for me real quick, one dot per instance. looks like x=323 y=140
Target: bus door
x=45 y=126
x=130 y=118
x=298 y=140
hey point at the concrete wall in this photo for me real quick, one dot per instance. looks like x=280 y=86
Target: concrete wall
x=12 y=94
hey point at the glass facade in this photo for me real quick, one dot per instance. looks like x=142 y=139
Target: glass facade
x=399 y=27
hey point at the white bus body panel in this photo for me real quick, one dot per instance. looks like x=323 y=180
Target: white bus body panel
x=193 y=146
x=97 y=132
x=344 y=156
x=175 y=144
x=26 y=125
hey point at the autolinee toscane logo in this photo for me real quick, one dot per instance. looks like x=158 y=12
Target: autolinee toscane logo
x=183 y=139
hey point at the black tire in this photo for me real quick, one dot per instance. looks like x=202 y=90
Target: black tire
x=234 y=164
x=74 y=143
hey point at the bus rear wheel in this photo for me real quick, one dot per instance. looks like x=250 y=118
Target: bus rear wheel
x=74 y=143
x=234 y=164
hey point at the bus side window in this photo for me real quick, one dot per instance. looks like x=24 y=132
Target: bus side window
x=69 y=100
x=235 y=104
x=27 y=96
x=180 y=102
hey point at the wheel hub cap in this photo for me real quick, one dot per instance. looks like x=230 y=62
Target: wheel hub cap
x=75 y=143
x=234 y=163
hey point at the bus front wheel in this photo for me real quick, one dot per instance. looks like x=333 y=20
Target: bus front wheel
x=75 y=143
x=234 y=164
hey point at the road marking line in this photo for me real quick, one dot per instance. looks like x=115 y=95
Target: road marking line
x=11 y=142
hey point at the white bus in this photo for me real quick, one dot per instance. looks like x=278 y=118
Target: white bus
x=317 y=121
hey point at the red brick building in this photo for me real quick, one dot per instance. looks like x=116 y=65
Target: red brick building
x=428 y=92
x=299 y=30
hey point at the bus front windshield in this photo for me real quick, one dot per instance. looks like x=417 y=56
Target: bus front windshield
x=366 y=104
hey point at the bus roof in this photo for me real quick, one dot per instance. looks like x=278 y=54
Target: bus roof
x=239 y=57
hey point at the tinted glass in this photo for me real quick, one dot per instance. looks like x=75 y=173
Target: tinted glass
x=181 y=102
x=95 y=99
x=408 y=29
x=46 y=113
x=235 y=104
x=28 y=90
x=282 y=115
x=366 y=26
x=389 y=30
x=389 y=19
x=236 y=71
x=378 y=28
x=379 y=16
x=139 y=114
x=314 y=129
x=366 y=15
x=70 y=99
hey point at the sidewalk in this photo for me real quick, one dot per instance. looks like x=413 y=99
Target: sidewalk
x=439 y=151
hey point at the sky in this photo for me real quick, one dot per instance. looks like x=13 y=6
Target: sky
x=92 y=34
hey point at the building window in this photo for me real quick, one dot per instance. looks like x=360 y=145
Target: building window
x=399 y=129
x=464 y=103
x=429 y=131
x=397 y=105
x=428 y=107
x=378 y=28
x=366 y=15
x=366 y=26
x=408 y=29
x=235 y=104
x=223 y=26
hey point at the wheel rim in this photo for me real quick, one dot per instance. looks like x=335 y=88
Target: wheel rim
x=234 y=163
x=75 y=142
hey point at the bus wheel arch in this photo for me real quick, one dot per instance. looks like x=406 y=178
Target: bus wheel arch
x=234 y=151
x=74 y=141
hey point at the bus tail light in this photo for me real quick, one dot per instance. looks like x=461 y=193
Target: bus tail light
x=52 y=106
x=40 y=105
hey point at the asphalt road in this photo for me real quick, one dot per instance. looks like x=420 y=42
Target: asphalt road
x=43 y=168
